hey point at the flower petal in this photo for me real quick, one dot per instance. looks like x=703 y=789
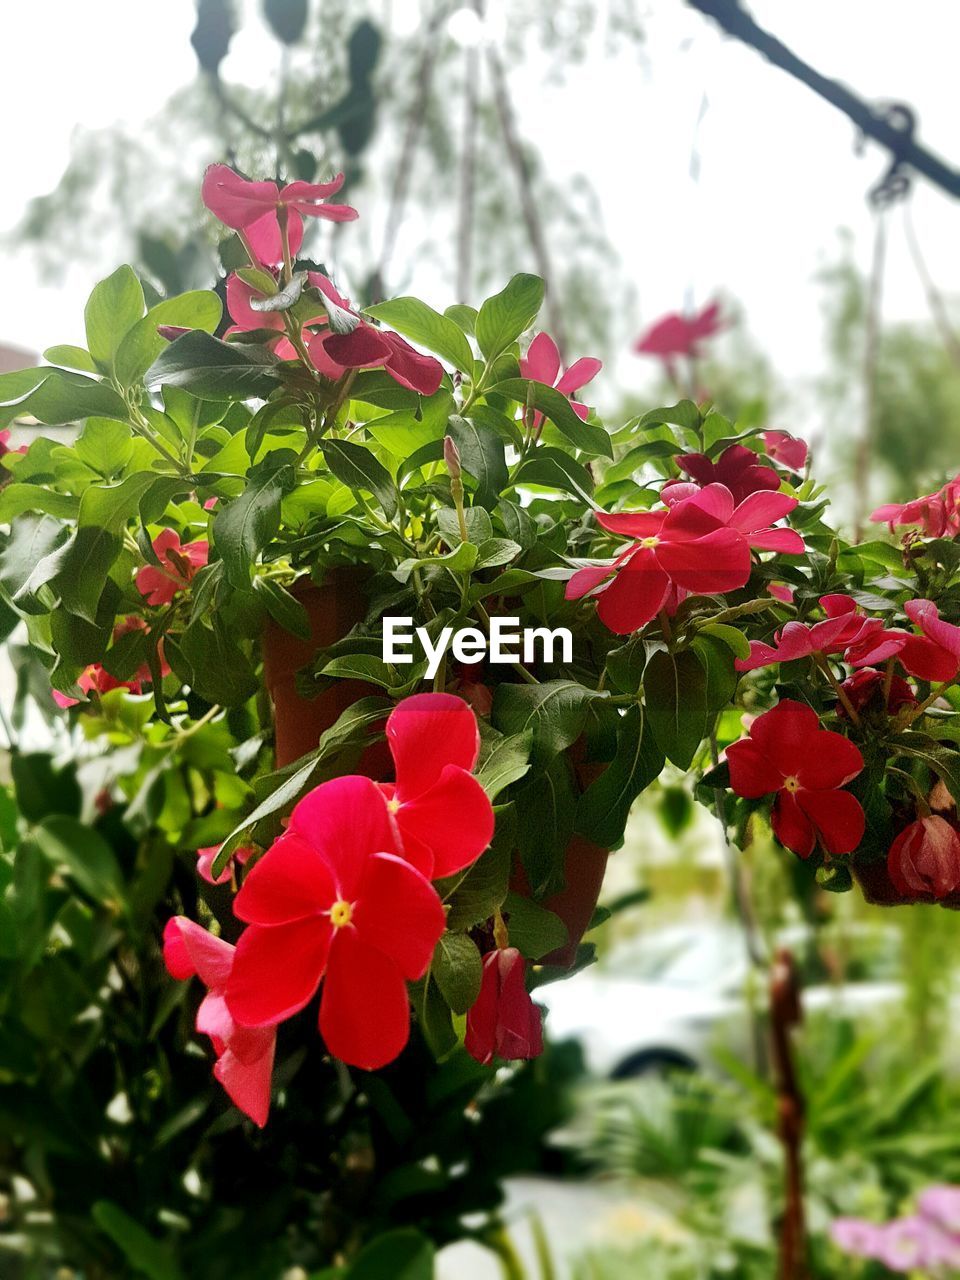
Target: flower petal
x=362 y=348
x=632 y=524
x=542 y=361
x=247 y=1080
x=579 y=374
x=364 y=1009
x=453 y=819
x=718 y=562
x=400 y=913
x=426 y=733
x=751 y=772
x=190 y=949
x=791 y=826
x=290 y=882
x=234 y=200
x=828 y=760
x=635 y=595
x=837 y=816
x=411 y=368
x=760 y=510
x=277 y=970
x=786 y=541
x=346 y=820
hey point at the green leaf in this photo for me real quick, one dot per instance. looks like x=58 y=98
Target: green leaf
x=214 y=370
x=463 y=317
x=476 y=896
x=482 y=455
x=57 y=398
x=105 y=445
x=198 y=309
x=436 y=1023
x=143 y=1252
x=32 y=539
x=556 y=470
x=357 y=468
x=506 y=762
x=735 y=640
x=675 y=698
x=221 y=671
x=421 y=324
x=111 y=506
x=113 y=308
x=457 y=970
x=553 y=712
x=684 y=414
x=43 y=790
x=285 y=609
x=84 y=855
x=15 y=499
x=83 y=569
x=506 y=315
x=553 y=404
x=534 y=930
x=369 y=668
x=71 y=358
x=604 y=807
x=243 y=527
x=716 y=658
x=545 y=803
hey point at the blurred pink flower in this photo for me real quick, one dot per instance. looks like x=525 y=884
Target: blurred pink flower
x=678 y=335
x=785 y=449
x=254 y=208
x=178 y=564
x=206 y=858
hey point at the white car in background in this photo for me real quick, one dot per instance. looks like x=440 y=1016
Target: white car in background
x=675 y=997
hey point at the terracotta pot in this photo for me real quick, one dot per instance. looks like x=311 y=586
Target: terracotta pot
x=333 y=609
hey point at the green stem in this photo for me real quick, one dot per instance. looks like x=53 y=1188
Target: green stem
x=838 y=689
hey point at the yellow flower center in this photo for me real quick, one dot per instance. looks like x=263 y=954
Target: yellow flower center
x=393 y=804
x=341 y=913
x=791 y=784
x=650 y=542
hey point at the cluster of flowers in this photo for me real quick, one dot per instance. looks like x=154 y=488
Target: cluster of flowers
x=269 y=220
x=936 y=515
x=927 y=1241
x=700 y=543
x=344 y=898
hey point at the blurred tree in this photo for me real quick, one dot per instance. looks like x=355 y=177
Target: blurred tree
x=420 y=123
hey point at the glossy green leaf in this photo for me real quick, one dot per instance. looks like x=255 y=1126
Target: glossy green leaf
x=534 y=930
x=506 y=315
x=675 y=699
x=243 y=527
x=214 y=370
x=144 y=1253
x=357 y=468
x=426 y=327
x=553 y=404
x=83 y=569
x=68 y=357
x=285 y=609
x=553 y=712
x=199 y=309
x=83 y=855
x=113 y=308
x=604 y=807
x=482 y=456
x=457 y=970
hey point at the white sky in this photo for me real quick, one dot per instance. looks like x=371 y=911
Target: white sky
x=778 y=175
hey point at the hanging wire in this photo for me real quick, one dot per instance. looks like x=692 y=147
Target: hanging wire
x=938 y=308
x=870 y=349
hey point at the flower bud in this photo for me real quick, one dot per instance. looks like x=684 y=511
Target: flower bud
x=504 y=1022
x=924 y=859
x=451 y=456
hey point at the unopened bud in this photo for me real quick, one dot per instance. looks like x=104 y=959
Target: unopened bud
x=451 y=456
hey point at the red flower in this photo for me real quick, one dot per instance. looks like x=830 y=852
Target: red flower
x=925 y=859
x=738 y=468
x=935 y=655
x=787 y=753
x=207 y=857
x=244 y=1054
x=780 y=591
x=845 y=625
x=253 y=208
x=97 y=679
x=504 y=1022
x=936 y=514
x=677 y=335
x=864 y=686
x=178 y=563
x=240 y=297
x=370 y=348
x=333 y=900
x=542 y=364
x=701 y=544
x=443 y=816
x=785 y=449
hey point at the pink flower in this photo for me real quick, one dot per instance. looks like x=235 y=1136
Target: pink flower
x=785 y=449
x=780 y=591
x=677 y=335
x=207 y=857
x=924 y=859
x=941 y=1204
x=701 y=544
x=334 y=901
x=443 y=816
x=542 y=364
x=240 y=297
x=504 y=1022
x=367 y=347
x=255 y=207
x=789 y=755
x=934 y=655
x=857 y=1236
x=936 y=514
x=96 y=679
x=737 y=467
x=244 y=1055
x=178 y=564
x=845 y=625
x=864 y=686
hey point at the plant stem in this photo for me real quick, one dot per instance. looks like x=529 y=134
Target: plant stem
x=915 y=712
x=841 y=693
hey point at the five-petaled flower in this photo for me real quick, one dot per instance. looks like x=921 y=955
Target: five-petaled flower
x=504 y=1022
x=933 y=655
x=442 y=814
x=542 y=364
x=677 y=335
x=256 y=209
x=244 y=1054
x=924 y=859
x=178 y=564
x=789 y=755
x=785 y=449
x=701 y=544
x=738 y=467
x=334 y=900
